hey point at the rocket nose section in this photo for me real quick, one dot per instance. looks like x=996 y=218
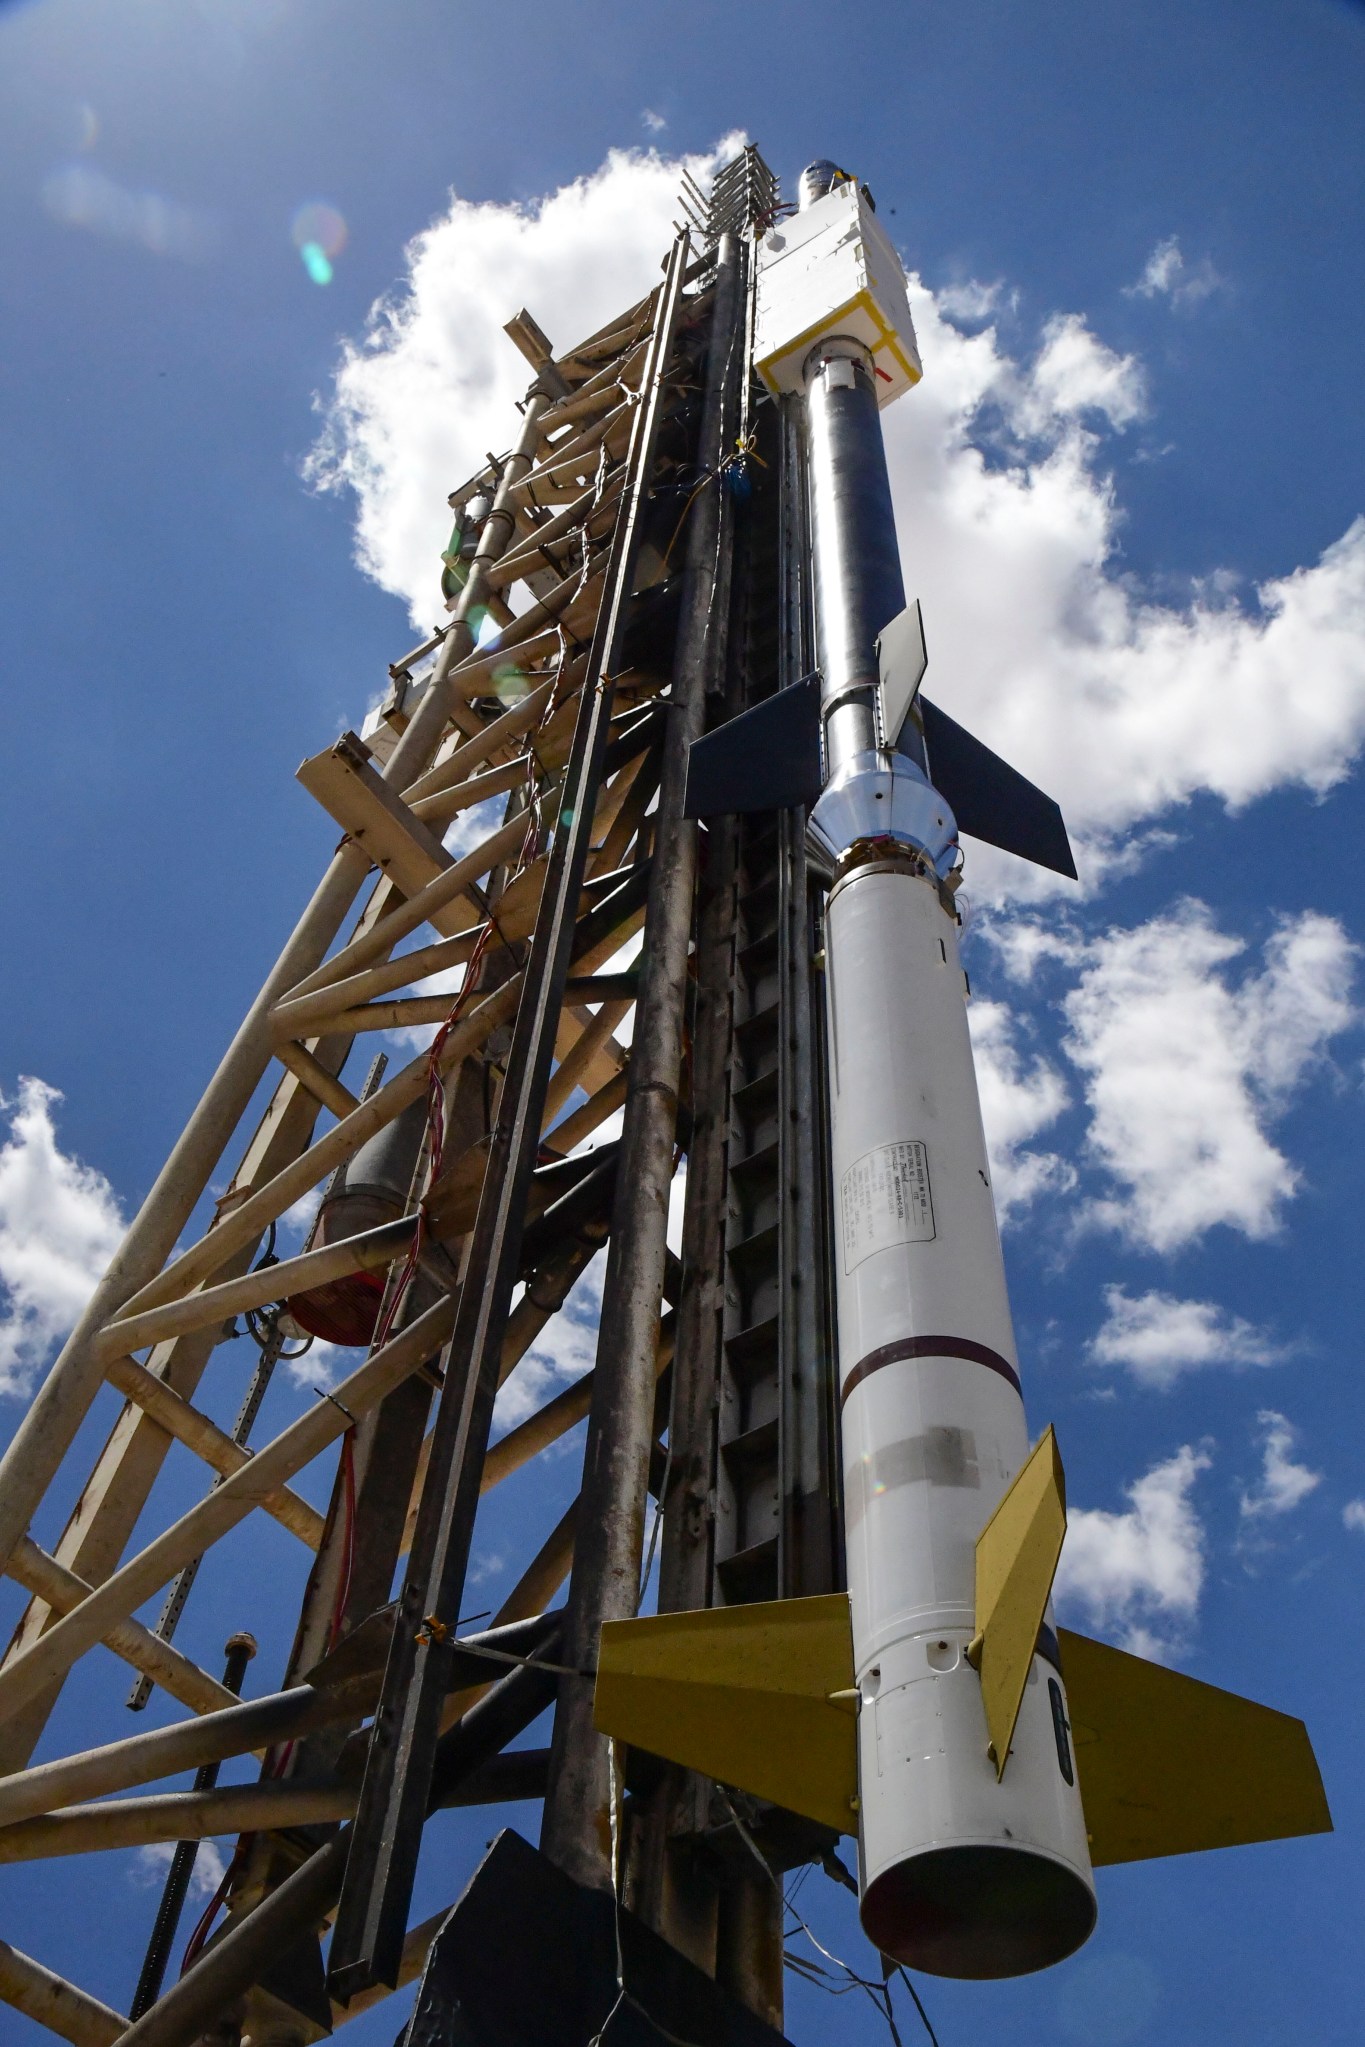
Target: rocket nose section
x=978 y=1912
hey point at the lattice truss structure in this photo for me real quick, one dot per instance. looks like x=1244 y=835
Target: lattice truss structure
x=629 y=550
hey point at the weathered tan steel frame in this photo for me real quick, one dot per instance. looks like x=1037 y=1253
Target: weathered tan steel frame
x=448 y=757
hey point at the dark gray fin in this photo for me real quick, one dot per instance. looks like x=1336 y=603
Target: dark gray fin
x=992 y=800
x=765 y=759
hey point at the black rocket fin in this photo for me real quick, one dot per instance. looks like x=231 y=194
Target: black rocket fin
x=768 y=758
x=765 y=759
x=992 y=800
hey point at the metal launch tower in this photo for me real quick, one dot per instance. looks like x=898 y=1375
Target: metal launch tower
x=681 y=671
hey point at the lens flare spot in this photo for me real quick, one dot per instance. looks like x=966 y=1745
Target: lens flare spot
x=873 y=1486
x=319 y=235
x=488 y=630
x=509 y=685
x=315 y=263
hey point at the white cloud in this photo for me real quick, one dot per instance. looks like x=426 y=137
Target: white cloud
x=565 y=1349
x=1023 y=944
x=1166 y=274
x=1156 y=1337
x=1284 y=1484
x=1353 y=1514
x=677 y=1209
x=1075 y=373
x=470 y=827
x=321 y=1366
x=152 y=1862
x=1300 y=1002
x=1185 y=1070
x=298 y=1219
x=1122 y=706
x=1138 y=1575
x=972 y=300
x=434 y=382
x=60 y=1224
x=1019 y=1098
x=1160 y=272
x=78 y=195
x=654 y=124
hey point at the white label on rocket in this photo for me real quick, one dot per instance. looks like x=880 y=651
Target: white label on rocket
x=886 y=1200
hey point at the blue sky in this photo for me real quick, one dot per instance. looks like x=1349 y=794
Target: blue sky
x=1126 y=494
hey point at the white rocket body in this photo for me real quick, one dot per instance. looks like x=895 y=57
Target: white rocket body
x=962 y=1872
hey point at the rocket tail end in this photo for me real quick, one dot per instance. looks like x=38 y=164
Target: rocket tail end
x=761 y=1697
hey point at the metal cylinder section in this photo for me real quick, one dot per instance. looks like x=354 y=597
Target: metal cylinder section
x=857 y=569
x=961 y=1875
x=372 y=1188
x=817 y=179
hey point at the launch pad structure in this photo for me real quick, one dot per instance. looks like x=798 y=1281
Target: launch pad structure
x=638 y=524
x=629 y=577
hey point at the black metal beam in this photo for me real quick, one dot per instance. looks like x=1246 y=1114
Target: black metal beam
x=240 y=1650
x=386 y=1838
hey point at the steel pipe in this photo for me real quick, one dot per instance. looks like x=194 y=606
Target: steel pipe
x=457 y=766
x=372 y=1916
x=368 y=1252
x=51 y=2001
x=233 y=1730
x=315 y=1012
x=210 y=1738
x=177 y=1816
x=605 y=1584
x=219 y=1451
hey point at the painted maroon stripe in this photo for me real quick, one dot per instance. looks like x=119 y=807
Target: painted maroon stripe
x=929 y=1347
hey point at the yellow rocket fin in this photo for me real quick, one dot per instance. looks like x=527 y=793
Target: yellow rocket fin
x=1016 y=1561
x=757 y=1696
x=1169 y=1765
x=762 y=1697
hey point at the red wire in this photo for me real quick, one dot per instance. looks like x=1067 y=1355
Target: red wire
x=194 y=1945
